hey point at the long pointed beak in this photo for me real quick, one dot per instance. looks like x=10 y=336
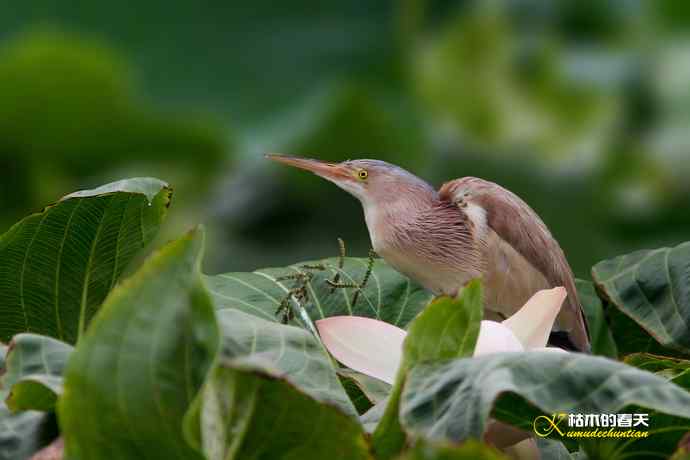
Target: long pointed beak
x=331 y=171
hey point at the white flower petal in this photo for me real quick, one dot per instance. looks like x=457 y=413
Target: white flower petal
x=495 y=338
x=532 y=324
x=366 y=345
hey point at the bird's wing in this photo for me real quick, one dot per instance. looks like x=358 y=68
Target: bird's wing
x=519 y=226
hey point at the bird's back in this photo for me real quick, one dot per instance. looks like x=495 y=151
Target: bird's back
x=520 y=254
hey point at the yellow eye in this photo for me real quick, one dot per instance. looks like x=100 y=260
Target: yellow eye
x=362 y=174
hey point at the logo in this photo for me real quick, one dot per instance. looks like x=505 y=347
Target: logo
x=592 y=425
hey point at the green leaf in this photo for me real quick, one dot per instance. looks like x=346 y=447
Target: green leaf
x=674 y=369
x=282 y=351
x=246 y=413
x=134 y=374
x=631 y=338
x=24 y=433
x=57 y=266
x=653 y=289
x=599 y=333
x=448 y=328
x=667 y=429
x=453 y=401
x=387 y=296
x=364 y=391
x=34 y=370
x=471 y=450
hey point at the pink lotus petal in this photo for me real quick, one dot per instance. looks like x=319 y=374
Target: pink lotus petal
x=366 y=345
x=495 y=338
x=533 y=322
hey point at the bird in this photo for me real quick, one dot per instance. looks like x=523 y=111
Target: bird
x=469 y=228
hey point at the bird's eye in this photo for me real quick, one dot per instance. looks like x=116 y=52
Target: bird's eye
x=362 y=174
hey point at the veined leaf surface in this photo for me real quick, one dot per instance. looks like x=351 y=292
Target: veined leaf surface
x=248 y=414
x=58 y=265
x=134 y=374
x=33 y=374
x=652 y=287
x=388 y=295
x=283 y=351
x=453 y=401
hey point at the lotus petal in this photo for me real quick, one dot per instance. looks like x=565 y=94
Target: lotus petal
x=532 y=324
x=495 y=338
x=366 y=345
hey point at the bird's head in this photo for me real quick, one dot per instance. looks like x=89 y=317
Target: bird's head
x=371 y=181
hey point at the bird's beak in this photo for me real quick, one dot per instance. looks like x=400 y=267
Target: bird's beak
x=332 y=171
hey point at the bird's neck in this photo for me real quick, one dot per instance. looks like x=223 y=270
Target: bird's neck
x=386 y=217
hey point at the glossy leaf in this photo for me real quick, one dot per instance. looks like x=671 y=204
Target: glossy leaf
x=600 y=335
x=33 y=377
x=653 y=289
x=453 y=401
x=248 y=414
x=24 y=433
x=283 y=351
x=134 y=374
x=57 y=266
x=388 y=295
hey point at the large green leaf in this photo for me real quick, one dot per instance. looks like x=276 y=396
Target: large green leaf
x=448 y=328
x=248 y=414
x=599 y=333
x=21 y=434
x=282 y=351
x=652 y=288
x=133 y=375
x=388 y=295
x=666 y=430
x=33 y=376
x=471 y=450
x=57 y=266
x=453 y=401
x=24 y=433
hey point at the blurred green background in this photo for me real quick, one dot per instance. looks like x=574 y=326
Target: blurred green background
x=581 y=107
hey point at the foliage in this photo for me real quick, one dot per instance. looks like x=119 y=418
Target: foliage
x=172 y=363
x=58 y=265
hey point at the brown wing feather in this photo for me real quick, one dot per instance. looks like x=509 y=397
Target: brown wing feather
x=516 y=223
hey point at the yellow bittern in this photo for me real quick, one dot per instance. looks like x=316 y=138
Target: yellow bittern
x=469 y=228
